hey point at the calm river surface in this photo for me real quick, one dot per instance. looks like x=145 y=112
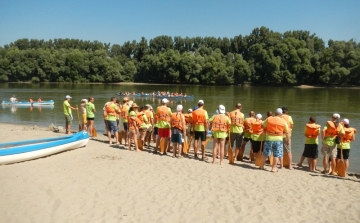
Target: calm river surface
x=302 y=103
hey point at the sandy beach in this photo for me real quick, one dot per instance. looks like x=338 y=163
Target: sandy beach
x=103 y=183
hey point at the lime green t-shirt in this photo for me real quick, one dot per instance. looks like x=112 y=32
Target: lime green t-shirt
x=202 y=128
x=90 y=110
x=271 y=137
x=329 y=140
x=311 y=140
x=125 y=119
x=220 y=134
x=164 y=124
x=345 y=145
x=235 y=128
x=292 y=123
x=112 y=117
x=67 y=109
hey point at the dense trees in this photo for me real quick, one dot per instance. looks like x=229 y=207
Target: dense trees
x=262 y=57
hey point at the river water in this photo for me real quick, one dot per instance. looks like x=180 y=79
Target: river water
x=301 y=102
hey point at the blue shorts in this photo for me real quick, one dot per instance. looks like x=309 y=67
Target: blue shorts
x=273 y=146
x=177 y=138
x=112 y=126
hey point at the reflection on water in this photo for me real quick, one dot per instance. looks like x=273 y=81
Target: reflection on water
x=14 y=108
x=302 y=103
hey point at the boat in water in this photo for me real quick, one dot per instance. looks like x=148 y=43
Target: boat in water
x=27 y=150
x=26 y=103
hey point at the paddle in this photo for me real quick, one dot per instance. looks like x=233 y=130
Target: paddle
x=258 y=161
x=94 y=133
x=80 y=128
x=231 y=154
x=207 y=141
x=162 y=145
x=341 y=165
x=140 y=145
x=286 y=160
x=185 y=147
x=120 y=134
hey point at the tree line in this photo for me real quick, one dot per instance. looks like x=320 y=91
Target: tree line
x=262 y=57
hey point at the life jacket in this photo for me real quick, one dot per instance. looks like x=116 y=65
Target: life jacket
x=256 y=127
x=124 y=111
x=176 y=120
x=134 y=121
x=275 y=126
x=348 y=133
x=163 y=113
x=287 y=120
x=219 y=123
x=148 y=116
x=187 y=118
x=199 y=116
x=140 y=116
x=156 y=119
x=332 y=131
x=312 y=130
x=109 y=110
x=247 y=125
x=236 y=118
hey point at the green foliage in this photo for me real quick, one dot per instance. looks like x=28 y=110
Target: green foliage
x=262 y=57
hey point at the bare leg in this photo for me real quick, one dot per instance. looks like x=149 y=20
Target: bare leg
x=175 y=145
x=301 y=161
x=222 y=150
x=196 y=147
x=203 y=149
x=346 y=161
x=135 y=142
x=165 y=145
x=116 y=135
x=157 y=144
x=242 y=150
x=325 y=159
x=275 y=161
x=128 y=139
x=215 y=149
x=263 y=159
x=333 y=165
x=180 y=146
x=109 y=136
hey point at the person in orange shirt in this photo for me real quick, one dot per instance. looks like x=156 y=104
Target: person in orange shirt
x=247 y=135
x=201 y=128
x=178 y=130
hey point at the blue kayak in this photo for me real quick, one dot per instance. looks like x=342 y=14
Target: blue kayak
x=26 y=103
x=32 y=149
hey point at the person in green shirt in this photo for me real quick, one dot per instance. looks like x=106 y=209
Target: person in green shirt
x=111 y=111
x=90 y=116
x=164 y=128
x=67 y=113
x=219 y=127
x=328 y=135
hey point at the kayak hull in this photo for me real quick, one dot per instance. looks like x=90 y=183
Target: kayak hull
x=33 y=149
x=25 y=103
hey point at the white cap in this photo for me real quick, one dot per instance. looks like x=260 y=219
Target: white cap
x=336 y=115
x=84 y=100
x=151 y=107
x=201 y=102
x=259 y=116
x=165 y=100
x=67 y=96
x=189 y=110
x=279 y=111
x=221 y=109
x=346 y=121
x=179 y=108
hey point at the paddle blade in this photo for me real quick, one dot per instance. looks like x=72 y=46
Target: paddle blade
x=341 y=168
x=286 y=159
x=154 y=138
x=80 y=128
x=271 y=158
x=94 y=133
x=162 y=145
x=140 y=145
x=240 y=156
x=186 y=147
x=258 y=159
x=231 y=155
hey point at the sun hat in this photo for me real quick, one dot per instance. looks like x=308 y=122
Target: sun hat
x=259 y=116
x=346 y=121
x=164 y=100
x=85 y=100
x=179 y=108
x=336 y=115
x=190 y=110
x=222 y=109
x=125 y=99
x=279 y=111
x=134 y=105
x=67 y=96
x=201 y=102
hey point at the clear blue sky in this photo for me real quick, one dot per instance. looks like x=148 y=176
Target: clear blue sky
x=115 y=21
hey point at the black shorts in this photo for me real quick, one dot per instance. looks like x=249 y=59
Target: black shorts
x=247 y=139
x=346 y=153
x=200 y=134
x=311 y=151
x=125 y=126
x=90 y=119
x=256 y=146
x=156 y=131
x=236 y=137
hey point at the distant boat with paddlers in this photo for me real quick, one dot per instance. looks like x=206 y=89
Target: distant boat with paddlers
x=27 y=103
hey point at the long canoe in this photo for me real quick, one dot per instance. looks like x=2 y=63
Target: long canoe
x=27 y=150
x=26 y=103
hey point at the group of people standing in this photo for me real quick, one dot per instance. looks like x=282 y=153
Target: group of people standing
x=270 y=138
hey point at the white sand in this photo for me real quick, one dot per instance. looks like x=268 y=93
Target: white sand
x=102 y=183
